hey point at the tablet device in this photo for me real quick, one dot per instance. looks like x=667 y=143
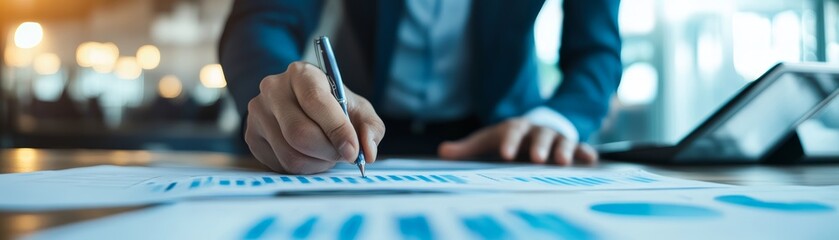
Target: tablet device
x=758 y=124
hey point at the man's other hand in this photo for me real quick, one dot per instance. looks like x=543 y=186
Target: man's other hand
x=519 y=138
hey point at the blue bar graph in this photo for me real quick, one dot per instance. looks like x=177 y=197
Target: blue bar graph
x=171 y=185
x=642 y=179
x=303 y=180
x=485 y=227
x=573 y=181
x=352 y=180
x=351 y=228
x=268 y=180
x=512 y=223
x=424 y=178
x=454 y=179
x=285 y=179
x=554 y=225
x=415 y=228
x=305 y=230
x=195 y=183
x=259 y=229
x=438 y=178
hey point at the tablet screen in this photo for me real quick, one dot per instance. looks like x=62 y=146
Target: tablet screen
x=772 y=109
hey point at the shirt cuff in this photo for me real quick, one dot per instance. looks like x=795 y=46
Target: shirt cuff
x=549 y=118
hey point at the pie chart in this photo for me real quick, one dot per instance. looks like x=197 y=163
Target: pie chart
x=650 y=209
x=800 y=206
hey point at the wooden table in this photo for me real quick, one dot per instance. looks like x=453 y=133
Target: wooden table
x=16 y=224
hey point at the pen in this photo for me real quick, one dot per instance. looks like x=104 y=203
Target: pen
x=327 y=63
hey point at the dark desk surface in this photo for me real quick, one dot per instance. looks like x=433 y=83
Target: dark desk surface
x=16 y=224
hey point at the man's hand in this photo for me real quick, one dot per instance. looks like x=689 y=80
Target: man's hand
x=296 y=126
x=518 y=137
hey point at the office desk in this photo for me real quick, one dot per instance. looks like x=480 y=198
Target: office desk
x=27 y=160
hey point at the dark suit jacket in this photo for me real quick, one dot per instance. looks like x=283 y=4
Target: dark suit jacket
x=262 y=37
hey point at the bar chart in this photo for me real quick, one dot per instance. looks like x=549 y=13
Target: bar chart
x=457 y=180
x=503 y=225
x=301 y=181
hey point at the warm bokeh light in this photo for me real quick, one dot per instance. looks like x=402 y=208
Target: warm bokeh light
x=212 y=76
x=17 y=57
x=83 y=53
x=148 y=56
x=47 y=64
x=127 y=68
x=169 y=86
x=26 y=159
x=29 y=35
x=103 y=57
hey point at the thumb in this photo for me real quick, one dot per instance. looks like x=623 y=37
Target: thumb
x=476 y=144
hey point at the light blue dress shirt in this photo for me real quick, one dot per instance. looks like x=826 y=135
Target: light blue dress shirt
x=429 y=79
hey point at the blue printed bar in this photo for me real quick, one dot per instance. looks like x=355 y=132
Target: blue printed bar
x=171 y=185
x=350 y=229
x=554 y=225
x=268 y=180
x=438 y=178
x=260 y=228
x=285 y=179
x=415 y=227
x=195 y=183
x=485 y=227
x=305 y=230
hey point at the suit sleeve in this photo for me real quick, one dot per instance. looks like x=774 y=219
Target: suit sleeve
x=260 y=38
x=590 y=63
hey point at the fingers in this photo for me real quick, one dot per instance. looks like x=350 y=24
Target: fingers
x=260 y=148
x=483 y=141
x=368 y=125
x=540 y=144
x=266 y=142
x=277 y=103
x=512 y=138
x=294 y=162
x=586 y=154
x=563 y=150
x=314 y=95
x=506 y=138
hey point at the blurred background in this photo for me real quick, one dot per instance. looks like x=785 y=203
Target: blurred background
x=143 y=74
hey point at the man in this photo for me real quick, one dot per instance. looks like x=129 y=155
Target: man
x=437 y=71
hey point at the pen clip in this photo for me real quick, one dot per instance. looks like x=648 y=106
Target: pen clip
x=319 y=53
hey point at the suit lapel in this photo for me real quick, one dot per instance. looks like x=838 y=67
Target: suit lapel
x=390 y=12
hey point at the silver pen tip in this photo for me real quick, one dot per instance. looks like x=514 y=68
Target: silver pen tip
x=361 y=168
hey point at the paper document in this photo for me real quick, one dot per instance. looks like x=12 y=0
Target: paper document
x=728 y=213
x=104 y=186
